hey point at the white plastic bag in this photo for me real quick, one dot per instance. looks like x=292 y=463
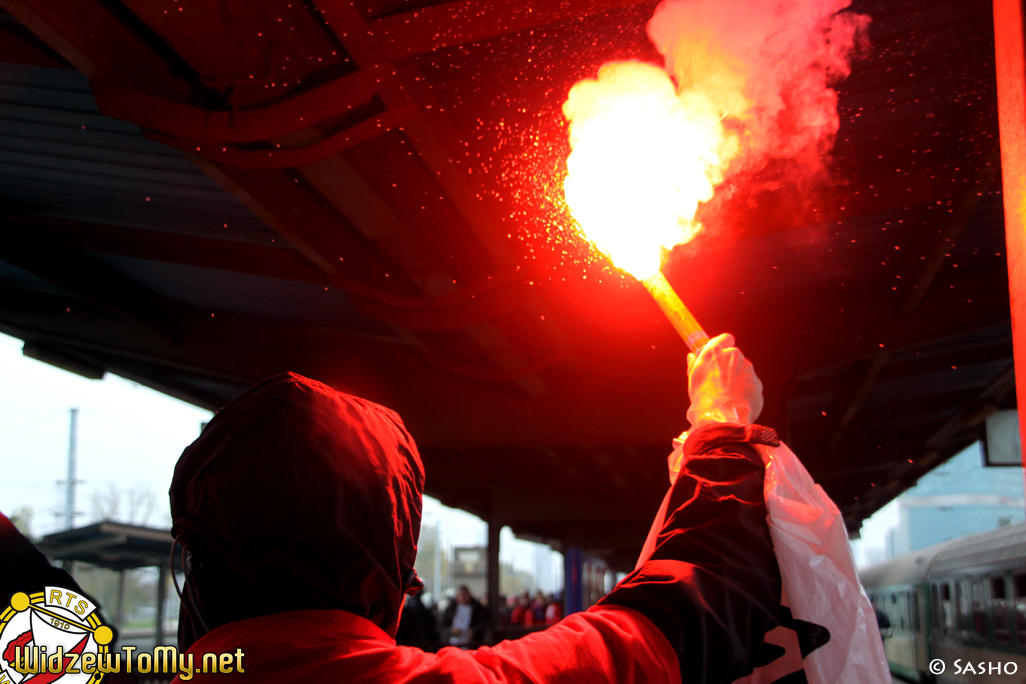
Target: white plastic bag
x=821 y=586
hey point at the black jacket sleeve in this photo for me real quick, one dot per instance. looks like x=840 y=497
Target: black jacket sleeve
x=23 y=568
x=712 y=585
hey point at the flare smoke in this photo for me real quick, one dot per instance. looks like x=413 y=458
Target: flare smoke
x=767 y=66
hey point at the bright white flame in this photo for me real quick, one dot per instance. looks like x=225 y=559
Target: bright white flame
x=642 y=159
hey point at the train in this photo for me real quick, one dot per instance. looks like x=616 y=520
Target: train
x=957 y=610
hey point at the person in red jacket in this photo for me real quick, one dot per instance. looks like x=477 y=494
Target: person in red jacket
x=519 y=614
x=554 y=611
x=300 y=508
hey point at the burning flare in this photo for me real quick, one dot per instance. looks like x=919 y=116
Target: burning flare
x=749 y=84
x=643 y=158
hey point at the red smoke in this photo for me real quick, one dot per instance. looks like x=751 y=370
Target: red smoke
x=773 y=64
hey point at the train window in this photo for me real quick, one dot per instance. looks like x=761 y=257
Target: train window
x=1020 y=608
x=914 y=611
x=979 y=611
x=963 y=600
x=999 y=610
x=935 y=608
x=947 y=609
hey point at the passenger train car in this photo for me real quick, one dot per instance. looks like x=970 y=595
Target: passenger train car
x=961 y=602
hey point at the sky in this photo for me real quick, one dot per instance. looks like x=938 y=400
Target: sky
x=129 y=439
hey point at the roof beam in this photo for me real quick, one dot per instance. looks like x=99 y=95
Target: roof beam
x=217 y=348
x=59 y=357
x=18 y=45
x=995 y=390
x=29 y=17
x=224 y=255
x=855 y=398
x=275 y=158
x=190 y=123
x=414 y=313
x=73 y=31
x=967 y=305
x=469 y=21
x=96 y=283
x=598 y=510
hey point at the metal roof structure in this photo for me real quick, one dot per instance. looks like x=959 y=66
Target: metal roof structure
x=111 y=545
x=196 y=200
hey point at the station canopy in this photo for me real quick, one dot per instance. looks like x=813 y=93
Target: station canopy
x=111 y=545
x=198 y=198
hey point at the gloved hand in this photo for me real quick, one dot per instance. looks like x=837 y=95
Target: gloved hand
x=723 y=388
x=722 y=385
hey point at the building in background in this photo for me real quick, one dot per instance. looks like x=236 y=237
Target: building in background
x=470 y=568
x=958 y=498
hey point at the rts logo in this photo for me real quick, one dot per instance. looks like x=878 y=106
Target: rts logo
x=51 y=636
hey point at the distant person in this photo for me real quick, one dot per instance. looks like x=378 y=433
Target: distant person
x=536 y=613
x=300 y=509
x=506 y=604
x=417 y=625
x=465 y=618
x=554 y=611
x=523 y=606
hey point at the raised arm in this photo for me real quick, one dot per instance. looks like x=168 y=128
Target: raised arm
x=710 y=581
x=699 y=603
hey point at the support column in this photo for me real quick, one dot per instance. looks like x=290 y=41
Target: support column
x=69 y=491
x=436 y=573
x=119 y=614
x=161 y=599
x=573 y=581
x=1011 y=90
x=494 y=527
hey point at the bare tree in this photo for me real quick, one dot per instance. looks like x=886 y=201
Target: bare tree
x=21 y=517
x=106 y=503
x=141 y=501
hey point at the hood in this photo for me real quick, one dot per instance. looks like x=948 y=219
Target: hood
x=297 y=496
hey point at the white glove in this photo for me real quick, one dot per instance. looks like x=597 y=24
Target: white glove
x=723 y=388
x=722 y=385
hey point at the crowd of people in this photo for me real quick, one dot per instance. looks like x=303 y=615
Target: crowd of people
x=461 y=620
x=525 y=609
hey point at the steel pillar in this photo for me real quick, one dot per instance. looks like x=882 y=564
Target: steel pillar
x=1011 y=88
